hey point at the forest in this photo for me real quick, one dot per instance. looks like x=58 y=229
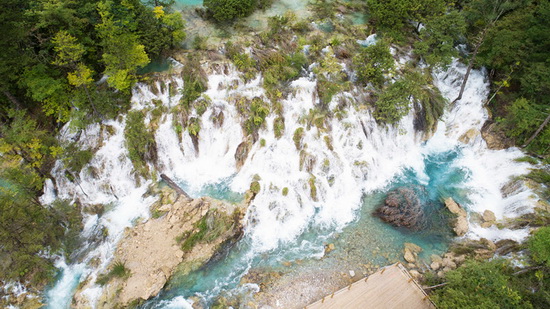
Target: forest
x=77 y=61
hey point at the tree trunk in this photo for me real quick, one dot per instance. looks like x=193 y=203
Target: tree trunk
x=480 y=40
x=174 y=186
x=537 y=132
x=13 y=99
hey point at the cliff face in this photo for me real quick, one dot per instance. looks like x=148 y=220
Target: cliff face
x=187 y=234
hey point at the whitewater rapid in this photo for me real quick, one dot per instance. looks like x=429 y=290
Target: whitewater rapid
x=362 y=160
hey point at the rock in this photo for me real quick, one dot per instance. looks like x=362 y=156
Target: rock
x=414 y=248
x=489 y=244
x=440 y=274
x=409 y=256
x=352 y=273
x=469 y=136
x=242 y=153
x=436 y=258
x=505 y=246
x=489 y=216
x=461 y=226
x=402 y=208
x=486 y=225
x=495 y=138
x=448 y=263
x=454 y=207
x=435 y=265
x=152 y=250
x=415 y=274
x=328 y=248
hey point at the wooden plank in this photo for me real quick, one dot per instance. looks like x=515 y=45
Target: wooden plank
x=390 y=287
x=175 y=186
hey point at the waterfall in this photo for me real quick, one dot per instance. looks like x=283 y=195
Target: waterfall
x=363 y=157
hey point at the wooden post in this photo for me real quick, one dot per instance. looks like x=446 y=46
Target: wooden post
x=349 y=287
x=332 y=296
x=323 y=300
x=383 y=270
x=367 y=278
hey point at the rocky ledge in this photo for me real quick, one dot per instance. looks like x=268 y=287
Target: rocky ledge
x=185 y=235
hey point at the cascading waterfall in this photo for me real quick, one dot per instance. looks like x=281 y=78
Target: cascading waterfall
x=364 y=158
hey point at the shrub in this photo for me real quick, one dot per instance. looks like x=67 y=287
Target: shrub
x=255 y=187
x=140 y=142
x=285 y=191
x=297 y=138
x=279 y=126
x=539 y=245
x=479 y=285
x=229 y=10
x=373 y=62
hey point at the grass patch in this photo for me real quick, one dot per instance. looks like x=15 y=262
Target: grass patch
x=118 y=270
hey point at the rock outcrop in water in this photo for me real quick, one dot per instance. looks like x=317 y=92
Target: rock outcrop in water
x=460 y=225
x=187 y=235
x=402 y=208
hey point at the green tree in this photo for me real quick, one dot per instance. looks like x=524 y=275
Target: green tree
x=438 y=38
x=122 y=53
x=393 y=15
x=479 y=285
x=373 y=62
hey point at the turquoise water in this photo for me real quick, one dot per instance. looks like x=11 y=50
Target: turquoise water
x=155 y=66
x=367 y=240
x=220 y=191
x=188 y=2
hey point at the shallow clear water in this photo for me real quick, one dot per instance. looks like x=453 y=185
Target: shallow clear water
x=181 y=3
x=219 y=190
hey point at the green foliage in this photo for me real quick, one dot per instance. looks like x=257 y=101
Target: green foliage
x=439 y=37
x=229 y=10
x=194 y=127
x=539 y=246
x=194 y=81
x=479 y=285
x=393 y=15
x=255 y=187
x=140 y=142
x=285 y=191
x=118 y=270
x=372 y=63
x=297 y=138
x=312 y=188
x=75 y=158
x=211 y=226
x=257 y=112
x=279 y=127
x=393 y=103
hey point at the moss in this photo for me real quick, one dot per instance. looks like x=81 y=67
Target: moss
x=328 y=142
x=279 y=127
x=194 y=127
x=255 y=187
x=297 y=138
x=262 y=142
x=140 y=142
x=285 y=191
x=312 y=188
x=211 y=226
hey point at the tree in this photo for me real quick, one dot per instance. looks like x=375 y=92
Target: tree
x=373 y=62
x=479 y=285
x=393 y=15
x=229 y=10
x=438 y=38
x=122 y=53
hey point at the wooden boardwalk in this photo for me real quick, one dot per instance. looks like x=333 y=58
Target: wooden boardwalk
x=390 y=287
